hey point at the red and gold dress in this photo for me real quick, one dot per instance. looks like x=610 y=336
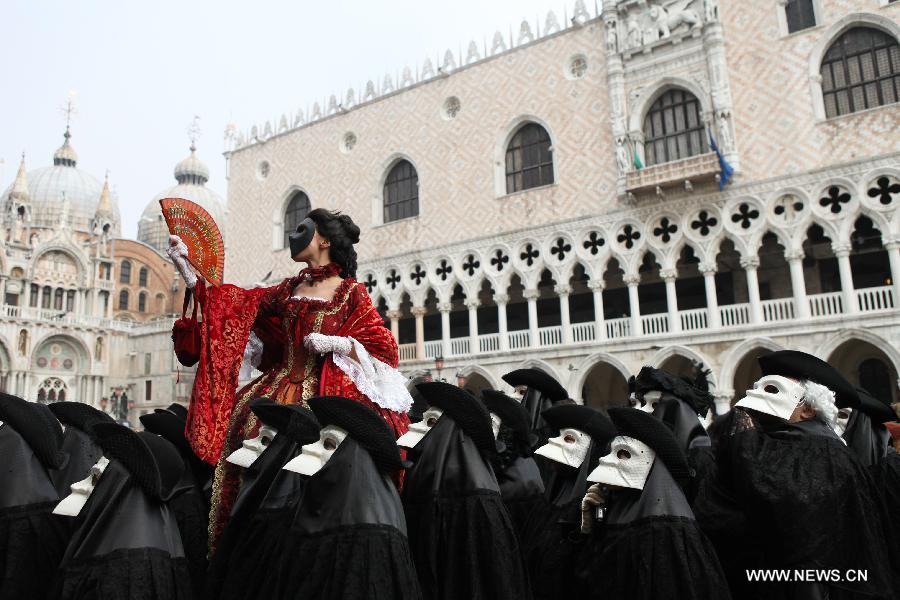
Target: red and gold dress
x=219 y=418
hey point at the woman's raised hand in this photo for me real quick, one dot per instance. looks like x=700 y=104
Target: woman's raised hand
x=178 y=253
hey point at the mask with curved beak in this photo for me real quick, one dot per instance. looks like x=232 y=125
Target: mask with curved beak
x=418 y=430
x=313 y=457
x=495 y=425
x=569 y=448
x=301 y=238
x=842 y=420
x=72 y=504
x=627 y=464
x=650 y=401
x=774 y=395
x=250 y=449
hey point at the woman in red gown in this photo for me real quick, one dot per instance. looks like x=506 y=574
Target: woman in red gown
x=315 y=334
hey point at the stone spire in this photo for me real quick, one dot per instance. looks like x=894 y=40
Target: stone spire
x=66 y=155
x=19 y=192
x=104 y=205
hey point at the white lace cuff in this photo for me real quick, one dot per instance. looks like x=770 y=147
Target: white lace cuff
x=381 y=383
x=252 y=356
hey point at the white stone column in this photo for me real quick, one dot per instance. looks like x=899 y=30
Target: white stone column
x=394 y=317
x=750 y=264
x=798 y=284
x=848 y=294
x=40 y=302
x=3 y=279
x=723 y=400
x=596 y=286
x=563 y=292
x=531 y=296
x=669 y=276
x=634 y=304
x=712 y=299
x=473 y=305
x=893 y=250
x=444 y=308
x=419 y=313
x=501 y=300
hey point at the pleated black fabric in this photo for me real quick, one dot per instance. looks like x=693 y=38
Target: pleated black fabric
x=192 y=516
x=126 y=545
x=460 y=533
x=32 y=540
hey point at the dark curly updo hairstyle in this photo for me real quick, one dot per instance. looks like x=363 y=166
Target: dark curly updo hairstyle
x=342 y=232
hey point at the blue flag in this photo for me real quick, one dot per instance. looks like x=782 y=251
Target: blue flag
x=725 y=169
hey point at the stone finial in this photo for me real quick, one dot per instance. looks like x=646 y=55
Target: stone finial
x=332 y=104
x=525 y=34
x=427 y=70
x=19 y=190
x=580 y=15
x=316 y=112
x=350 y=98
x=370 y=91
x=267 y=130
x=283 y=123
x=472 y=54
x=254 y=133
x=387 y=86
x=298 y=118
x=449 y=62
x=551 y=25
x=406 y=77
x=498 y=45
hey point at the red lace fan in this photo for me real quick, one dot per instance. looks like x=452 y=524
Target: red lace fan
x=198 y=230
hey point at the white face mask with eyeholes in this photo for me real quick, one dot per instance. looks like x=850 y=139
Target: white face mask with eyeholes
x=774 y=395
x=646 y=403
x=569 y=448
x=418 y=429
x=250 y=449
x=841 y=421
x=72 y=504
x=313 y=456
x=627 y=465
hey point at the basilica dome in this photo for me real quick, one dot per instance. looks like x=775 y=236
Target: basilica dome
x=191 y=175
x=63 y=187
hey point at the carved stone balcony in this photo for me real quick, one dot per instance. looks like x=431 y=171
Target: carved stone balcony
x=695 y=169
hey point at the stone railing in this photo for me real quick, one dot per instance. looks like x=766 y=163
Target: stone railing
x=694 y=169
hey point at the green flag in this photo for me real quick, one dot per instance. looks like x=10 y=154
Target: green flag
x=638 y=165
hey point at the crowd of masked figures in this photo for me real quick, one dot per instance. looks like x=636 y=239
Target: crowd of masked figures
x=532 y=496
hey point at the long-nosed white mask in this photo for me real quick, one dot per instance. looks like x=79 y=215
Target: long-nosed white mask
x=647 y=402
x=627 y=464
x=250 y=449
x=774 y=395
x=72 y=504
x=418 y=430
x=569 y=448
x=313 y=456
x=841 y=421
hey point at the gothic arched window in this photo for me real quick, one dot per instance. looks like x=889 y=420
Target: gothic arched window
x=529 y=159
x=673 y=129
x=125 y=272
x=860 y=70
x=401 y=192
x=123 y=300
x=297 y=209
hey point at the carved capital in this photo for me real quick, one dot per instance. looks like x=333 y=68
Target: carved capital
x=394 y=315
x=596 y=285
x=445 y=307
x=473 y=303
x=562 y=290
x=749 y=262
x=841 y=250
x=707 y=269
x=501 y=298
x=668 y=274
x=531 y=294
x=794 y=255
x=632 y=280
x=418 y=311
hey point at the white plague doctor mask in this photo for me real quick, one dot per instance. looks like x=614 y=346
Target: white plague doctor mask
x=72 y=504
x=841 y=421
x=627 y=465
x=647 y=402
x=418 y=430
x=774 y=395
x=313 y=456
x=569 y=448
x=250 y=449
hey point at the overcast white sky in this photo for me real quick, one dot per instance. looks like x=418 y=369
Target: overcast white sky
x=142 y=70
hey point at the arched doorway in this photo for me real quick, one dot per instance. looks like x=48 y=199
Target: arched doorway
x=473 y=382
x=747 y=372
x=867 y=366
x=604 y=387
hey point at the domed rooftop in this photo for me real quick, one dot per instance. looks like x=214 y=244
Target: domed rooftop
x=191 y=173
x=50 y=188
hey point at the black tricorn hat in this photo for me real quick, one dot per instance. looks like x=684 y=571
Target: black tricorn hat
x=653 y=432
x=154 y=463
x=800 y=365
x=176 y=409
x=537 y=379
x=292 y=420
x=652 y=379
x=511 y=413
x=583 y=418
x=364 y=425
x=877 y=410
x=79 y=415
x=169 y=425
x=465 y=409
x=37 y=426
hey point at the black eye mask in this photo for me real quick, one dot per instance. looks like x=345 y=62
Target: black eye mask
x=301 y=238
